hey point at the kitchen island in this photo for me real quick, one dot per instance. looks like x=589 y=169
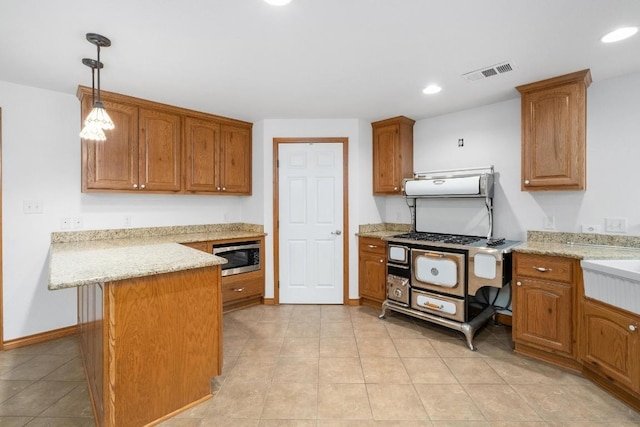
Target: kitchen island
x=150 y=321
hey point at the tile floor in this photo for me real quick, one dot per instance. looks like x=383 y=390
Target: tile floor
x=334 y=366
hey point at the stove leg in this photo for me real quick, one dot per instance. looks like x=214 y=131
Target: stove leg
x=384 y=310
x=468 y=332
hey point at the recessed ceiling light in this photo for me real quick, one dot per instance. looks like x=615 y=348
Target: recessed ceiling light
x=619 y=34
x=431 y=89
x=278 y=2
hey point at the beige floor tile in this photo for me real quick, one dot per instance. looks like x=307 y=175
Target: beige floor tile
x=74 y=404
x=61 y=422
x=402 y=328
x=60 y=347
x=333 y=370
x=300 y=346
x=404 y=423
x=182 y=422
x=384 y=370
x=303 y=330
x=343 y=401
x=453 y=348
x=395 y=402
x=501 y=403
x=233 y=345
x=518 y=370
x=414 y=347
x=287 y=423
x=448 y=402
x=10 y=360
x=348 y=423
x=291 y=401
x=338 y=347
x=337 y=329
x=263 y=347
x=602 y=405
x=14 y=421
x=277 y=314
x=381 y=346
x=370 y=330
x=269 y=330
x=252 y=369
x=335 y=313
x=428 y=370
x=9 y=388
x=469 y=370
x=37 y=367
x=238 y=400
x=70 y=371
x=296 y=370
x=36 y=398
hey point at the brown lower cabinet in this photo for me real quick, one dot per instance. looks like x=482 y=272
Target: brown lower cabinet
x=240 y=290
x=150 y=345
x=553 y=321
x=372 y=271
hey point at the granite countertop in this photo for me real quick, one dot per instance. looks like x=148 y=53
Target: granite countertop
x=96 y=256
x=581 y=245
x=380 y=231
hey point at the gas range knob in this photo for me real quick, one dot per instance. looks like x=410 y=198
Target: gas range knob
x=397 y=293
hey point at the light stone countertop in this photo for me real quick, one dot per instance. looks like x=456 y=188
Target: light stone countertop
x=581 y=245
x=87 y=257
x=380 y=231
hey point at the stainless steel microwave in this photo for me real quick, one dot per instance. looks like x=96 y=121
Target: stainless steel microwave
x=241 y=257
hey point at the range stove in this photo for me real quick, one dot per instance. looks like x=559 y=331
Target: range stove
x=436 y=276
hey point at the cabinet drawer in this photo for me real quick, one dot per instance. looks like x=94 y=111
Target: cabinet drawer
x=370 y=244
x=239 y=289
x=544 y=267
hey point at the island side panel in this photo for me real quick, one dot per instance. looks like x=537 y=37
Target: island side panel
x=164 y=344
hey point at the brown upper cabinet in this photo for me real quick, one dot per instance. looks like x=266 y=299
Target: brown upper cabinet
x=554 y=133
x=159 y=148
x=392 y=154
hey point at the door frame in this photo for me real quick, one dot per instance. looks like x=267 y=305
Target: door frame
x=1 y=254
x=345 y=211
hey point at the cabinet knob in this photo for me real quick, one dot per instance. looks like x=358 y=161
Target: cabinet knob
x=518 y=283
x=526 y=182
x=542 y=269
x=135 y=185
x=633 y=328
x=395 y=188
x=218 y=188
x=381 y=260
x=224 y=188
x=142 y=186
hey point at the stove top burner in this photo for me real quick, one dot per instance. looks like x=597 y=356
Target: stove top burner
x=457 y=239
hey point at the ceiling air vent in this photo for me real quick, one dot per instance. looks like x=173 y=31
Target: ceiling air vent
x=494 y=70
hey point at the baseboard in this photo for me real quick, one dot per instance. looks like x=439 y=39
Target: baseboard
x=504 y=319
x=41 y=337
x=269 y=301
x=353 y=302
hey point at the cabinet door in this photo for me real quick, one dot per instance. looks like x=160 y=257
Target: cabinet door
x=554 y=133
x=235 y=160
x=372 y=269
x=202 y=146
x=386 y=155
x=543 y=314
x=610 y=344
x=159 y=151
x=112 y=164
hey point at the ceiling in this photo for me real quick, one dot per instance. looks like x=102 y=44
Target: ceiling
x=366 y=59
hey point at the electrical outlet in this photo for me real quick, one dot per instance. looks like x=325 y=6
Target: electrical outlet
x=77 y=222
x=65 y=223
x=549 y=222
x=615 y=225
x=32 y=206
x=127 y=221
x=591 y=228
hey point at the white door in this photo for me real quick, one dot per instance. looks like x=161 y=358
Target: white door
x=310 y=223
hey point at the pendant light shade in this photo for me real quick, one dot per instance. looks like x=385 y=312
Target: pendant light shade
x=98 y=119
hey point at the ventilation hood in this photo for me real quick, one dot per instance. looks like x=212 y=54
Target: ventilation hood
x=473 y=182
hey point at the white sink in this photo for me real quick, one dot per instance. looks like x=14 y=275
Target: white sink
x=613 y=281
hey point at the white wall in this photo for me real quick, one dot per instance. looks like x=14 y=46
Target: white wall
x=359 y=161
x=492 y=137
x=41 y=161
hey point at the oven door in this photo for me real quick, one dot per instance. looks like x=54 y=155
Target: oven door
x=488 y=267
x=438 y=271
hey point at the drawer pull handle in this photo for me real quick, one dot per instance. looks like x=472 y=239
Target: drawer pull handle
x=434 y=306
x=238 y=289
x=542 y=269
x=372 y=246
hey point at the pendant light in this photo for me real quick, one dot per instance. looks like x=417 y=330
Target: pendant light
x=98 y=120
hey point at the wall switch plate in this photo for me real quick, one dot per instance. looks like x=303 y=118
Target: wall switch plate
x=591 y=228
x=549 y=222
x=127 y=221
x=32 y=206
x=615 y=225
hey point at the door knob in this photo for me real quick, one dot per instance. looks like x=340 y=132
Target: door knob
x=337 y=232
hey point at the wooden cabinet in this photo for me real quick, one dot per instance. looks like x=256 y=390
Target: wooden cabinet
x=543 y=307
x=554 y=133
x=392 y=154
x=142 y=335
x=217 y=157
x=372 y=270
x=154 y=145
x=610 y=345
x=239 y=290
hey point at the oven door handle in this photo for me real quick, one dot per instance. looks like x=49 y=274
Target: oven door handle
x=434 y=255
